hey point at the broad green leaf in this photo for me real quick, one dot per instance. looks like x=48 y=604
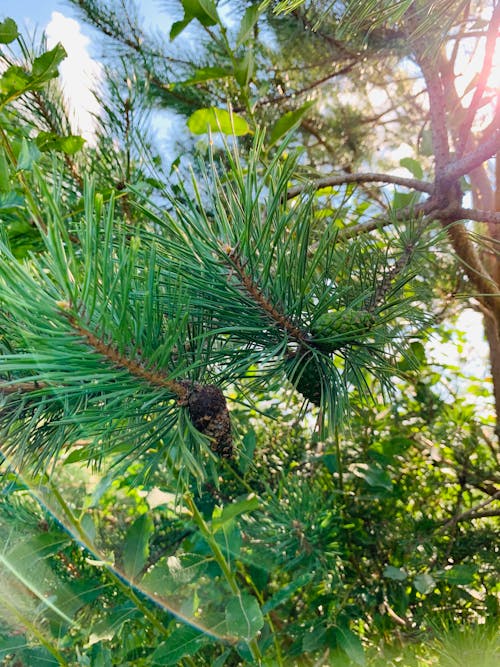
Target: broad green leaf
x=287 y=591
x=351 y=645
x=424 y=583
x=35 y=547
x=45 y=67
x=250 y=18
x=243 y=69
x=8 y=31
x=178 y=27
x=372 y=475
x=11 y=200
x=203 y=10
x=426 y=146
x=413 y=166
x=458 y=575
x=28 y=155
x=169 y=574
x=210 y=9
x=217 y=120
x=394 y=573
x=206 y=74
x=244 y=617
x=100 y=655
x=14 y=80
x=111 y=623
x=4 y=172
x=49 y=141
x=247 y=450
x=233 y=510
x=314 y=639
x=136 y=546
x=287 y=122
x=184 y=641
x=404 y=199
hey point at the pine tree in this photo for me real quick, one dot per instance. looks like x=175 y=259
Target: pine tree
x=239 y=335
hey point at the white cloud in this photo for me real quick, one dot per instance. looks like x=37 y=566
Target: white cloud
x=79 y=72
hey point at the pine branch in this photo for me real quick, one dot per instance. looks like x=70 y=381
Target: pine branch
x=134 y=366
x=254 y=292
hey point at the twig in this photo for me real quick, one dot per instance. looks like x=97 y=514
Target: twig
x=472 y=513
x=343 y=179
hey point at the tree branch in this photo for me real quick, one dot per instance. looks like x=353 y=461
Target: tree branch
x=477 y=215
x=485 y=72
x=343 y=179
x=296 y=93
x=484 y=151
x=472 y=513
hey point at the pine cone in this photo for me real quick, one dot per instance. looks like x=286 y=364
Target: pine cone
x=305 y=376
x=345 y=326
x=208 y=411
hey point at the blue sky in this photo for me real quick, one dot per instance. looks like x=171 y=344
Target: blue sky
x=34 y=13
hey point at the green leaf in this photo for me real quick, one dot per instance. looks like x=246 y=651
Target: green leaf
x=248 y=504
x=414 y=358
x=287 y=591
x=206 y=74
x=424 y=583
x=49 y=141
x=244 y=68
x=178 y=27
x=8 y=31
x=247 y=450
x=217 y=120
x=372 y=475
x=38 y=546
x=184 y=641
x=208 y=6
x=351 y=645
x=45 y=67
x=136 y=547
x=287 y=122
x=244 y=617
x=14 y=80
x=458 y=575
x=4 y=172
x=426 y=145
x=250 y=18
x=28 y=155
x=394 y=573
x=413 y=166
x=203 y=10
x=404 y=199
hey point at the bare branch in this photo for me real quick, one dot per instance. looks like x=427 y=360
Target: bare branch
x=437 y=114
x=292 y=94
x=472 y=513
x=343 y=179
x=424 y=209
x=484 y=151
x=482 y=81
x=477 y=215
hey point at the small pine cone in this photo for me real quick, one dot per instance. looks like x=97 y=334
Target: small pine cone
x=208 y=411
x=306 y=378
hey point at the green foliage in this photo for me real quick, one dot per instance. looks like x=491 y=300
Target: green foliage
x=343 y=528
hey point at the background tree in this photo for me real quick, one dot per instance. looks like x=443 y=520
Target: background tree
x=314 y=522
